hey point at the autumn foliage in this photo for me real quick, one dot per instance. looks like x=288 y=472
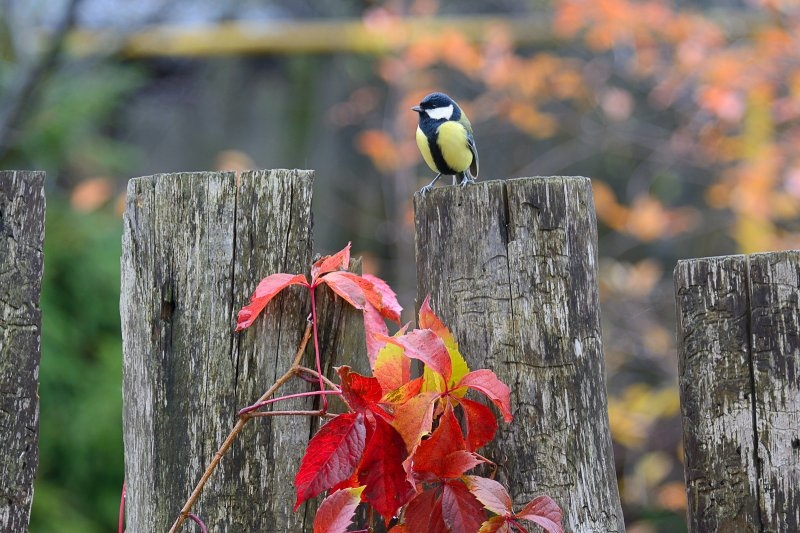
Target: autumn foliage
x=710 y=99
x=686 y=117
x=406 y=444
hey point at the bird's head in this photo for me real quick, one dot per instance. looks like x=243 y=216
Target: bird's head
x=438 y=107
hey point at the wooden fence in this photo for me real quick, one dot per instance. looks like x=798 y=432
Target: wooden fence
x=21 y=239
x=194 y=247
x=739 y=359
x=511 y=267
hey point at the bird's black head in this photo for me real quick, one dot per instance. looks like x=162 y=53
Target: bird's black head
x=438 y=107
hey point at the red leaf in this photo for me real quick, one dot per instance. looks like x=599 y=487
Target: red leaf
x=336 y=512
x=424 y=345
x=445 y=439
x=544 y=511
x=460 y=510
x=374 y=330
x=424 y=513
x=349 y=483
x=343 y=284
x=486 y=381
x=459 y=462
x=480 y=423
x=429 y=320
x=443 y=455
x=385 y=303
x=361 y=294
x=361 y=393
x=381 y=470
x=266 y=291
x=388 y=305
x=492 y=494
x=331 y=456
x=338 y=261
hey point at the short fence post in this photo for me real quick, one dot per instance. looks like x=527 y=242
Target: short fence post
x=512 y=269
x=194 y=247
x=22 y=206
x=739 y=361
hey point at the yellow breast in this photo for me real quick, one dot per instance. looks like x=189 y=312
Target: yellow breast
x=452 y=141
x=425 y=150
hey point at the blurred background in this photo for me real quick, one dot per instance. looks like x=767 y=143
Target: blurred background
x=684 y=114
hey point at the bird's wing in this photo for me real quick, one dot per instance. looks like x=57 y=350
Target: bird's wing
x=473 y=168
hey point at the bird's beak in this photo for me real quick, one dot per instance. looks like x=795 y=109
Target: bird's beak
x=417 y=108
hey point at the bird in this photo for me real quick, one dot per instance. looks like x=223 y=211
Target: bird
x=444 y=137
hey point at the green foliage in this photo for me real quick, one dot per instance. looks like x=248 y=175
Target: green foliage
x=66 y=127
x=81 y=461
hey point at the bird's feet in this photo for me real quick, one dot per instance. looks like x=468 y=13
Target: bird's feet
x=466 y=178
x=423 y=191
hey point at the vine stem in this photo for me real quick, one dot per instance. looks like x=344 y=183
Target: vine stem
x=121 y=527
x=316 y=348
x=303 y=370
x=259 y=405
x=293 y=369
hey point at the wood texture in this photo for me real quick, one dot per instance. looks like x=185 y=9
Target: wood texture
x=512 y=269
x=22 y=206
x=715 y=389
x=194 y=248
x=775 y=348
x=738 y=353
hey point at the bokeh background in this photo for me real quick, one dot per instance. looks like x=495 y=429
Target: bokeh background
x=684 y=114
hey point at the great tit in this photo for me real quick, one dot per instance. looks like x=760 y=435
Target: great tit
x=444 y=136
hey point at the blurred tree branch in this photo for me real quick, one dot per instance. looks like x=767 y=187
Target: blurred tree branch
x=31 y=76
x=337 y=35
x=355 y=35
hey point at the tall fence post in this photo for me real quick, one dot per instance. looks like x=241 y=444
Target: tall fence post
x=512 y=268
x=194 y=247
x=22 y=206
x=739 y=372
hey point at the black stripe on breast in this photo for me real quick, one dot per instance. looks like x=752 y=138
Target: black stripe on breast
x=438 y=158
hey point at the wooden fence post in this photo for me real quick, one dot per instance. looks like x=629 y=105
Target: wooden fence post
x=21 y=260
x=739 y=371
x=194 y=247
x=512 y=269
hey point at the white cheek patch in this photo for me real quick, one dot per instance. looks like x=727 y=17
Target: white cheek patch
x=439 y=113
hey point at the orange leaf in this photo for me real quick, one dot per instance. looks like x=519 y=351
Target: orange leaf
x=336 y=512
x=338 y=261
x=392 y=368
x=414 y=418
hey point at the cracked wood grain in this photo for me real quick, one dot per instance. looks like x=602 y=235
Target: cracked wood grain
x=512 y=269
x=738 y=353
x=22 y=210
x=195 y=246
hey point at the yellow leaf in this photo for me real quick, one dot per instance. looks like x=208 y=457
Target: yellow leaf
x=392 y=367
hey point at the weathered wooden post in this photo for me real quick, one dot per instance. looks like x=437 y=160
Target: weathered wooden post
x=739 y=370
x=511 y=267
x=21 y=260
x=194 y=247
